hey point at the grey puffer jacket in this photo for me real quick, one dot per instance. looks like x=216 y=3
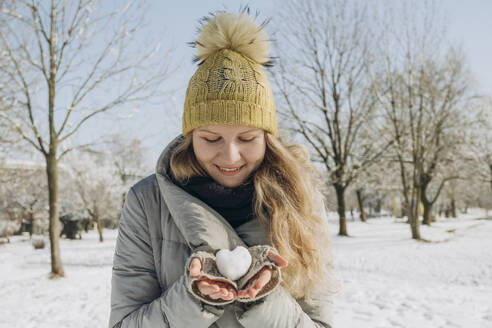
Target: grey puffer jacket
x=161 y=225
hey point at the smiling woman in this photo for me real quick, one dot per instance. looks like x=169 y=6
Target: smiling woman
x=226 y=183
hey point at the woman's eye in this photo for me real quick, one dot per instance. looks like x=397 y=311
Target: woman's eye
x=214 y=140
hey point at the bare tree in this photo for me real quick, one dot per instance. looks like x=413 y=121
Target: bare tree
x=23 y=191
x=323 y=84
x=68 y=62
x=422 y=86
x=479 y=151
x=448 y=117
x=96 y=185
x=127 y=156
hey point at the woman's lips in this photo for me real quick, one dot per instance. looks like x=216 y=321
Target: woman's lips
x=229 y=173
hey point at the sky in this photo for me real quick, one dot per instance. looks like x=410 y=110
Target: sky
x=470 y=24
x=157 y=123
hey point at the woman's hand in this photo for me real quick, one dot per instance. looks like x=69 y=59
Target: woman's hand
x=213 y=289
x=258 y=281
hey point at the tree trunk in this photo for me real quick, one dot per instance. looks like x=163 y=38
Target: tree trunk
x=31 y=228
x=51 y=160
x=360 y=200
x=415 y=226
x=54 y=225
x=341 y=209
x=98 y=222
x=123 y=198
x=427 y=205
x=490 y=167
x=426 y=202
x=413 y=214
x=427 y=213
x=453 y=208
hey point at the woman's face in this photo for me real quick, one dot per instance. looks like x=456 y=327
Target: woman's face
x=237 y=148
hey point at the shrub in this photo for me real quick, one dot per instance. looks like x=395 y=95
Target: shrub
x=38 y=241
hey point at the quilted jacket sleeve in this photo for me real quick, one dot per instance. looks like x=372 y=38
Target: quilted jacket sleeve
x=137 y=299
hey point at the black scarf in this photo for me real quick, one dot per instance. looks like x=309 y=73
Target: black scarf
x=235 y=204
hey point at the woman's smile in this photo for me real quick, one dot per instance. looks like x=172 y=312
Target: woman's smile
x=229 y=171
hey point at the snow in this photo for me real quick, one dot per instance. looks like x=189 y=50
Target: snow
x=81 y=299
x=389 y=280
x=386 y=278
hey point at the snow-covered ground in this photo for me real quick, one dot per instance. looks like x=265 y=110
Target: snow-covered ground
x=387 y=279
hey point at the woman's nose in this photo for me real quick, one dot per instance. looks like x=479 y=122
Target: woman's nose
x=231 y=154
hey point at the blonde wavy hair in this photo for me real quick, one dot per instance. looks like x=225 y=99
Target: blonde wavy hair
x=288 y=199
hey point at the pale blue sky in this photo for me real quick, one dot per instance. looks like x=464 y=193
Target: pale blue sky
x=469 y=23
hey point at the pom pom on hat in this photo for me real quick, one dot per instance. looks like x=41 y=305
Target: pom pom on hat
x=236 y=32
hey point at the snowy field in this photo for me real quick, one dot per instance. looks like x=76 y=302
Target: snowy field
x=387 y=279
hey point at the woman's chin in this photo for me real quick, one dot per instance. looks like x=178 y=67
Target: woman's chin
x=231 y=183
x=227 y=180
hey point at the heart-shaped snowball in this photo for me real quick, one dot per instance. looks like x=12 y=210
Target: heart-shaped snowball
x=233 y=264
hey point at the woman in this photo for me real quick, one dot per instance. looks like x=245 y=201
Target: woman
x=225 y=190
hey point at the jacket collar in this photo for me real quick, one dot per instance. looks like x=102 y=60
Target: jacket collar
x=202 y=226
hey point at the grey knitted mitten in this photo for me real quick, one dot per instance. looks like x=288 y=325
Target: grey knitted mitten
x=259 y=260
x=209 y=270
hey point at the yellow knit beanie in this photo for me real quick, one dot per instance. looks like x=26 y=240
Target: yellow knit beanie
x=230 y=87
